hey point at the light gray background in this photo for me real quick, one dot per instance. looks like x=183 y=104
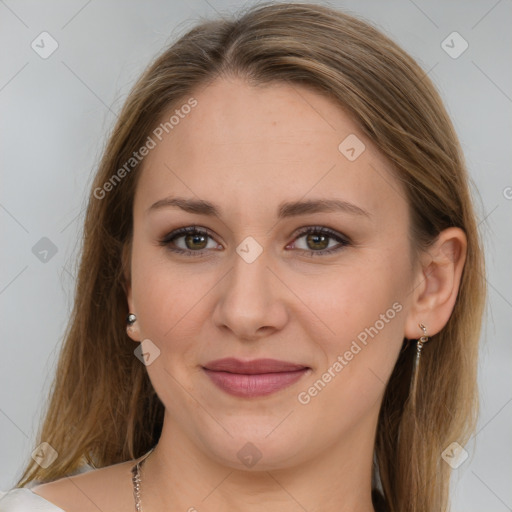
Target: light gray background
x=56 y=112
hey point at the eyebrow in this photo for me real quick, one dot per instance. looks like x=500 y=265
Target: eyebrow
x=285 y=210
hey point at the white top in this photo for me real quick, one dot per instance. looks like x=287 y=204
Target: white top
x=24 y=500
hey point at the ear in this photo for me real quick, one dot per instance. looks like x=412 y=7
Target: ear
x=133 y=330
x=437 y=283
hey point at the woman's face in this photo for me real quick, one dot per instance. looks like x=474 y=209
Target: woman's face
x=325 y=289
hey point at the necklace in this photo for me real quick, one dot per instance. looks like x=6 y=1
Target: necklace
x=136 y=480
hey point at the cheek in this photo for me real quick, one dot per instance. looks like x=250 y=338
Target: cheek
x=350 y=298
x=168 y=305
x=169 y=299
x=364 y=308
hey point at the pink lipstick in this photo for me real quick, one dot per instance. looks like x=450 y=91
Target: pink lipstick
x=258 y=377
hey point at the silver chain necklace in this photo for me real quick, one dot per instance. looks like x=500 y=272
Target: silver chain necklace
x=136 y=480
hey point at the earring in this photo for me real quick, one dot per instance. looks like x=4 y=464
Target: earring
x=130 y=319
x=419 y=344
x=415 y=370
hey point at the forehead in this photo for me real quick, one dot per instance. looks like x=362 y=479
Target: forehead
x=247 y=147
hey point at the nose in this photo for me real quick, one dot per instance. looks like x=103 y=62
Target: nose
x=251 y=300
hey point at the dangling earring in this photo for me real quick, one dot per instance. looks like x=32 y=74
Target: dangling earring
x=415 y=369
x=130 y=320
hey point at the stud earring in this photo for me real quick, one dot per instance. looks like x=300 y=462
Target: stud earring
x=130 y=319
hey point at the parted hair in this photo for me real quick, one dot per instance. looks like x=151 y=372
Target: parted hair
x=102 y=408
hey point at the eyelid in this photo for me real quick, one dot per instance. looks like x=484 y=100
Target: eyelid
x=322 y=229
x=175 y=233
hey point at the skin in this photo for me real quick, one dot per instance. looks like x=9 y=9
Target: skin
x=247 y=149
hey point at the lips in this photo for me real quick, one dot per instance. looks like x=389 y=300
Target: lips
x=253 y=378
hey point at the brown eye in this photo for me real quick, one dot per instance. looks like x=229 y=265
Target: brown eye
x=198 y=241
x=190 y=241
x=319 y=240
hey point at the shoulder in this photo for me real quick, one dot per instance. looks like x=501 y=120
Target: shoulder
x=108 y=488
x=24 y=500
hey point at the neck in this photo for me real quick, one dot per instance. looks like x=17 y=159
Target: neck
x=177 y=475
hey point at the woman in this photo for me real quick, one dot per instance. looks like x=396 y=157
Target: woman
x=317 y=350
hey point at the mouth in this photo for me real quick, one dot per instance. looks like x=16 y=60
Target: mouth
x=258 y=377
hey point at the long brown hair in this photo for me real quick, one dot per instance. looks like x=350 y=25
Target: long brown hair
x=102 y=407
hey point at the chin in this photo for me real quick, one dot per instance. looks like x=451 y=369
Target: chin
x=260 y=447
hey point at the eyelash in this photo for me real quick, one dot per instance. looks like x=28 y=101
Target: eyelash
x=315 y=230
